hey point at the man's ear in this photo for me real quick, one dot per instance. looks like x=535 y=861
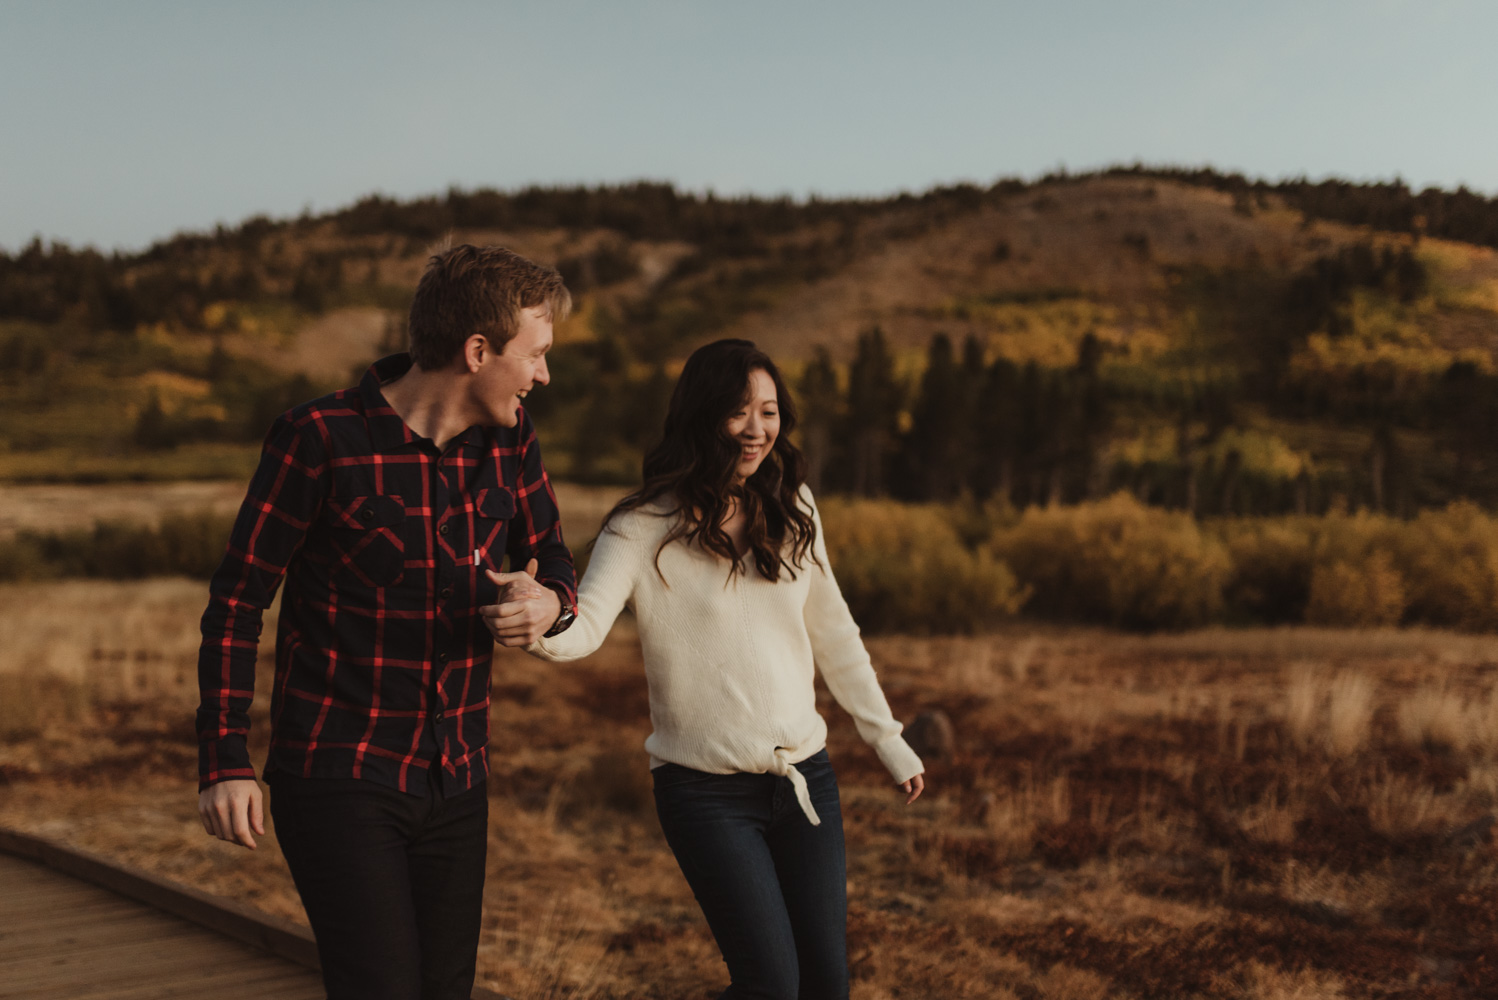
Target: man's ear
x=476 y=350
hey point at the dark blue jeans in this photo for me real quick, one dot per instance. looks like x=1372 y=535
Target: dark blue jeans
x=772 y=886
x=392 y=883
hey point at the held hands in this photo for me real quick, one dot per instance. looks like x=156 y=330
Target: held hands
x=230 y=810
x=913 y=788
x=525 y=609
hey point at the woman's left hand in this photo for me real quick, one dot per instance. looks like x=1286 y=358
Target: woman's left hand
x=913 y=788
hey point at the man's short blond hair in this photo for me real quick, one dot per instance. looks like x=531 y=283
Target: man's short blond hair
x=468 y=290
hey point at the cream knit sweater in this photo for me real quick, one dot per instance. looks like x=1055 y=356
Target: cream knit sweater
x=730 y=662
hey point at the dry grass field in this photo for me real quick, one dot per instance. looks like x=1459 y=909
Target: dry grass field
x=1268 y=814
x=47 y=507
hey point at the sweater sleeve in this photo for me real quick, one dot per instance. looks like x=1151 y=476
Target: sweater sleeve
x=845 y=666
x=606 y=588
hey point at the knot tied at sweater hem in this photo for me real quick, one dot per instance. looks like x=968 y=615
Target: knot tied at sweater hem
x=785 y=769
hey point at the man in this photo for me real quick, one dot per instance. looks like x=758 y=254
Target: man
x=388 y=508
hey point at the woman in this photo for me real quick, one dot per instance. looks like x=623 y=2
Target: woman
x=721 y=557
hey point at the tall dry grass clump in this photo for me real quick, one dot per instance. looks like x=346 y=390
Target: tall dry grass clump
x=1439 y=717
x=1349 y=712
x=1436 y=717
x=1272 y=818
x=1305 y=692
x=1332 y=710
x=1267 y=982
x=1399 y=804
x=905 y=568
x=1015 y=816
x=1117 y=561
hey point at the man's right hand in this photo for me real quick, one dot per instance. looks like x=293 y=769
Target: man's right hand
x=230 y=810
x=526 y=609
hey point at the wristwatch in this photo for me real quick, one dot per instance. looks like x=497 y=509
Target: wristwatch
x=564 y=620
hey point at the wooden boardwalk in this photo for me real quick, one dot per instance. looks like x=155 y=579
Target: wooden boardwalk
x=77 y=926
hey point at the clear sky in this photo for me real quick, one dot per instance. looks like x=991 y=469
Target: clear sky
x=123 y=122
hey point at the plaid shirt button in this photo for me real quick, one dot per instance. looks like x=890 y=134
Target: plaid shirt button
x=442 y=529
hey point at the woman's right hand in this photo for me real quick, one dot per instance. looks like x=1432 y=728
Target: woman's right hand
x=913 y=788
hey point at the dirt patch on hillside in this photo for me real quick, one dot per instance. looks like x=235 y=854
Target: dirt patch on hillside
x=337 y=345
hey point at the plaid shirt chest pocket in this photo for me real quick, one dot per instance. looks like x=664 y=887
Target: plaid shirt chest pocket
x=365 y=539
x=493 y=510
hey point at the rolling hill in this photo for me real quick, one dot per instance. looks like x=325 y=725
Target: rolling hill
x=1199 y=339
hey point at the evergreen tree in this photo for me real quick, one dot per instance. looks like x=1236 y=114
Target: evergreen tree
x=820 y=411
x=600 y=432
x=935 y=450
x=1093 y=414
x=997 y=423
x=970 y=375
x=873 y=417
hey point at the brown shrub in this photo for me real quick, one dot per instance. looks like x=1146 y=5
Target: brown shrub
x=904 y=568
x=1117 y=561
x=1450 y=561
x=1368 y=593
x=1272 y=560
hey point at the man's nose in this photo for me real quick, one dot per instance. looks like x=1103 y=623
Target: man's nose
x=542 y=374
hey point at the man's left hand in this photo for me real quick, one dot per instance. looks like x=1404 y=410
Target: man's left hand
x=525 y=609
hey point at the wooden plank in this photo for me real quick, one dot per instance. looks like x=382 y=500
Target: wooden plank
x=124 y=949
x=82 y=915
x=266 y=990
x=163 y=972
x=256 y=984
x=128 y=952
x=183 y=950
x=102 y=929
x=228 y=917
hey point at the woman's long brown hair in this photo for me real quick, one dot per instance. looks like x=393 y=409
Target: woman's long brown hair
x=692 y=468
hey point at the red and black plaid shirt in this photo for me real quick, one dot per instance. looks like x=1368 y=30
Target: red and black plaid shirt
x=382 y=660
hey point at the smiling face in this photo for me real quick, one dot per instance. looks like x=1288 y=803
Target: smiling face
x=505 y=378
x=756 y=424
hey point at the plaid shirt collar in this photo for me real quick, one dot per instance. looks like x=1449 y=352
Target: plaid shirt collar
x=387 y=431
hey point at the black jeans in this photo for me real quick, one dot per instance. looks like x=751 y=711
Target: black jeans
x=772 y=886
x=392 y=883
